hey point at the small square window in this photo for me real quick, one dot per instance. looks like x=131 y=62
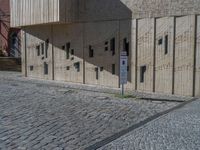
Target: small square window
x=77 y=66
x=31 y=68
x=160 y=41
x=68 y=68
x=63 y=47
x=101 y=68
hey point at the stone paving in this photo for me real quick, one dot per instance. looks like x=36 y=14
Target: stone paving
x=39 y=115
x=178 y=130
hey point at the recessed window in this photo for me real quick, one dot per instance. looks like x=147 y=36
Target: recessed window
x=112 y=46
x=45 y=68
x=42 y=48
x=72 y=52
x=63 y=47
x=31 y=68
x=166 y=44
x=128 y=68
x=67 y=50
x=97 y=73
x=46 y=48
x=113 y=69
x=38 y=50
x=77 y=66
x=142 y=73
x=68 y=68
x=91 y=51
x=126 y=46
x=101 y=68
x=106 y=46
x=160 y=41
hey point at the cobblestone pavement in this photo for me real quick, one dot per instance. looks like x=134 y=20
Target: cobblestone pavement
x=40 y=116
x=178 y=130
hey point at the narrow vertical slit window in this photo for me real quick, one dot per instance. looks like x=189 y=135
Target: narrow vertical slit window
x=46 y=48
x=126 y=46
x=142 y=73
x=91 y=51
x=45 y=68
x=112 y=46
x=166 y=44
x=113 y=69
x=38 y=50
x=42 y=48
x=67 y=50
x=97 y=73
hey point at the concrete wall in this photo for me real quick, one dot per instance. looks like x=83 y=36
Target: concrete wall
x=65 y=68
x=166 y=72
x=145 y=54
x=164 y=61
x=184 y=55
x=34 y=38
x=198 y=58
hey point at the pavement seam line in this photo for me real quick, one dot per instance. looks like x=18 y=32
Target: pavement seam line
x=136 y=126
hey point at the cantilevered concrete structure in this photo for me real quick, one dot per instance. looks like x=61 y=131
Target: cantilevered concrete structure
x=81 y=40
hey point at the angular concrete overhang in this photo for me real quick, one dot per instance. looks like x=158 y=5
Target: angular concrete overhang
x=35 y=12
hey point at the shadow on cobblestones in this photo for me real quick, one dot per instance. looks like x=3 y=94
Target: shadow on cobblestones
x=48 y=117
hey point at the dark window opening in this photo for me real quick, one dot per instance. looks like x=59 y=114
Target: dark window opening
x=128 y=68
x=101 y=68
x=77 y=66
x=106 y=46
x=97 y=73
x=63 y=47
x=46 y=48
x=67 y=50
x=166 y=44
x=38 y=50
x=112 y=46
x=68 y=68
x=72 y=52
x=142 y=73
x=113 y=69
x=45 y=68
x=31 y=68
x=126 y=46
x=42 y=48
x=160 y=41
x=91 y=51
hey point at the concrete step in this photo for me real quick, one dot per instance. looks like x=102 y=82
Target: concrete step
x=10 y=64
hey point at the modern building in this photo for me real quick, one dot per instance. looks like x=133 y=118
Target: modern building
x=9 y=37
x=81 y=40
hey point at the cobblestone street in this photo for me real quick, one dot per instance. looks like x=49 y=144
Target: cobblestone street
x=36 y=115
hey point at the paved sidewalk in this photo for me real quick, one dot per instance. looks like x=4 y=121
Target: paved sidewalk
x=178 y=130
x=36 y=114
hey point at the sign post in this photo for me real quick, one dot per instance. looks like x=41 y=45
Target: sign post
x=123 y=70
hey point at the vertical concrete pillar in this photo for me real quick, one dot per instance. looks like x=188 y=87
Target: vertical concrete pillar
x=154 y=56
x=194 y=56
x=52 y=38
x=136 y=54
x=173 y=63
x=25 y=53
